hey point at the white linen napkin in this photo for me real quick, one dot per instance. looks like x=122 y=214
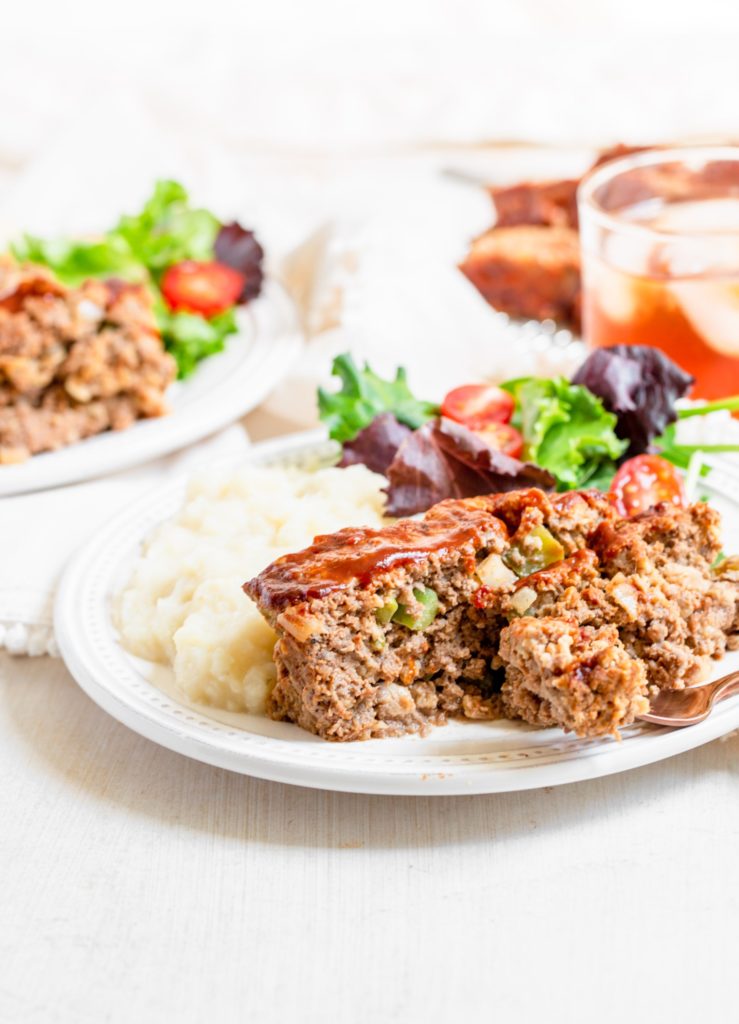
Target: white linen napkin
x=39 y=531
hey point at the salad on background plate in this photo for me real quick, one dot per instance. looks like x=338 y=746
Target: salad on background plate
x=106 y=342
x=197 y=269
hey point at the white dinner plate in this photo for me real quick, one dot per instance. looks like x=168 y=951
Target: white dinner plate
x=223 y=388
x=462 y=757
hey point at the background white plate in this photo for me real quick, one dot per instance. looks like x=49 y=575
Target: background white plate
x=463 y=757
x=223 y=388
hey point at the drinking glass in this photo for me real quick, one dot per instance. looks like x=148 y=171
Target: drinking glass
x=659 y=235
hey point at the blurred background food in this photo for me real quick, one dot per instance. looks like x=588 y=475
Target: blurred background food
x=329 y=132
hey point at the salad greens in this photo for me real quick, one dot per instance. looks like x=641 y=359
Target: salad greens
x=363 y=396
x=376 y=445
x=640 y=385
x=139 y=247
x=574 y=434
x=166 y=231
x=75 y=261
x=190 y=337
x=566 y=430
x=444 y=459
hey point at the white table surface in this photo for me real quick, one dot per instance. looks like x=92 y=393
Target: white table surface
x=140 y=886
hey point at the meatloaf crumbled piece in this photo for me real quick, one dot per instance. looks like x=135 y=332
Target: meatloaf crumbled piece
x=581 y=678
x=676 y=612
x=651 y=577
x=531 y=271
x=74 y=362
x=546 y=608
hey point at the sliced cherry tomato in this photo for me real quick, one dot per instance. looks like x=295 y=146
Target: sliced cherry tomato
x=504 y=438
x=644 y=481
x=205 y=288
x=476 y=405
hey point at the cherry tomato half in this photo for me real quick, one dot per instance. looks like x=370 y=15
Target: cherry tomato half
x=504 y=438
x=644 y=481
x=476 y=405
x=205 y=288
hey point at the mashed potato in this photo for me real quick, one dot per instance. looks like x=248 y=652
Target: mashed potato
x=184 y=605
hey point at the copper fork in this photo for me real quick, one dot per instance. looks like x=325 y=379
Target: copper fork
x=678 y=708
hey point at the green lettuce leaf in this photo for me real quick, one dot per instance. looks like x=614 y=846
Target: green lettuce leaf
x=364 y=395
x=191 y=338
x=168 y=230
x=75 y=261
x=566 y=430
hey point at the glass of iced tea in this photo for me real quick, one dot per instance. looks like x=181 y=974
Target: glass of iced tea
x=659 y=234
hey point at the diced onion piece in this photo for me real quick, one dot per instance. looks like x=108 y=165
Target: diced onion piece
x=495 y=574
x=90 y=311
x=523 y=599
x=626 y=597
x=302 y=627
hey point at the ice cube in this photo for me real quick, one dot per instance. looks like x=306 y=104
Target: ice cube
x=628 y=251
x=692 y=257
x=692 y=253
x=709 y=215
x=712 y=308
x=615 y=293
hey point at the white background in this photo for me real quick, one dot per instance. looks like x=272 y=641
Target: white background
x=325 y=73
x=138 y=886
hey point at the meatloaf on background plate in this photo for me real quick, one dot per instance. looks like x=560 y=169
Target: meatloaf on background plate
x=550 y=609
x=74 y=361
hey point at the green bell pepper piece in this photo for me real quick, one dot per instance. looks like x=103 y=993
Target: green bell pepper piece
x=384 y=614
x=429 y=602
x=537 y=550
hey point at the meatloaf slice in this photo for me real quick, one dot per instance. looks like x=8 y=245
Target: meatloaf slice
x=676 y=612
x=345 y=669
x=528 y=270
x=384 y=632
x=54 y=420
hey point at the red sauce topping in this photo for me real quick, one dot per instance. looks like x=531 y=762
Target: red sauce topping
x=357 y=553
x=29 y=287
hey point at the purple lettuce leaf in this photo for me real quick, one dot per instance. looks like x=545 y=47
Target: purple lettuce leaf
x=443 y=459
x=375 y=447
x=238 y=248
x=640 y=385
